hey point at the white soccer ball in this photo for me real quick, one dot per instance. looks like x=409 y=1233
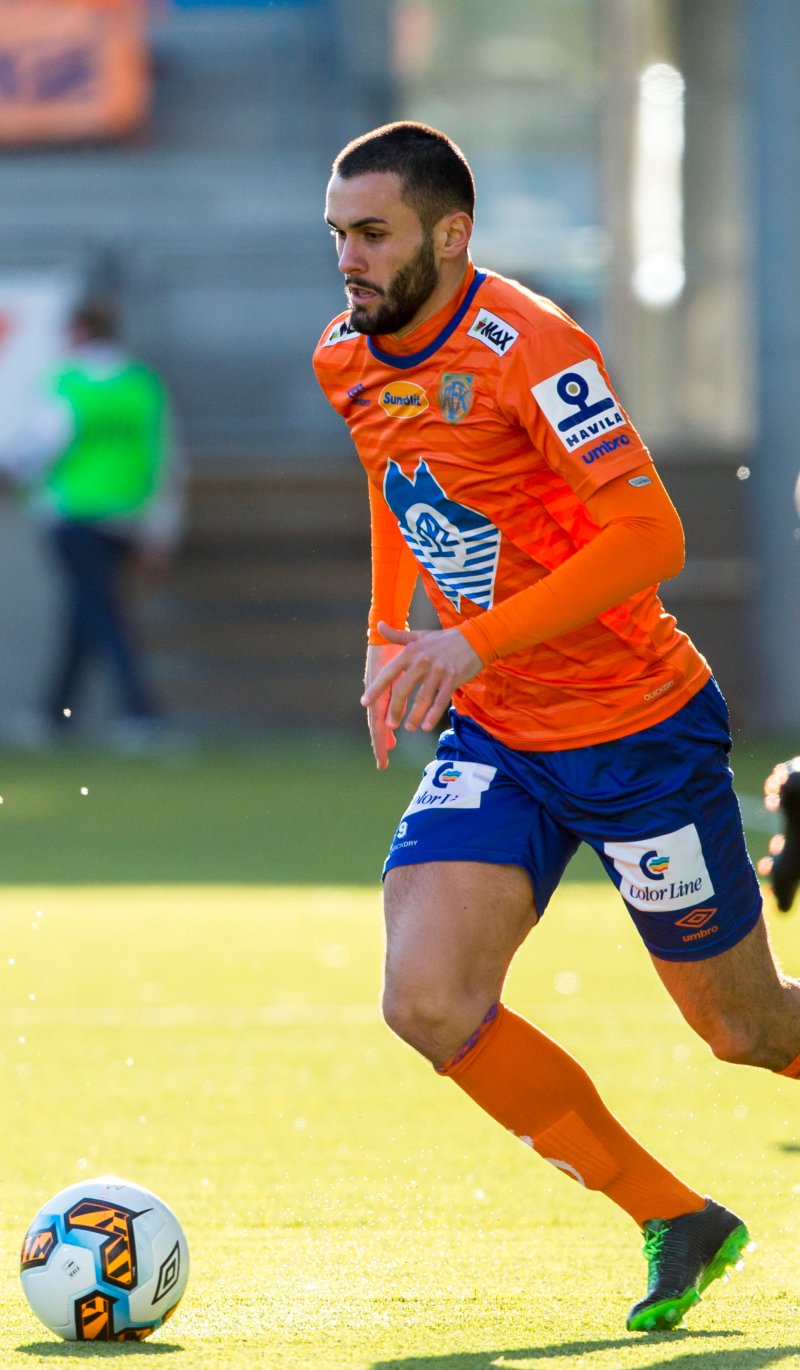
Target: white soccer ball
x=104 y=1260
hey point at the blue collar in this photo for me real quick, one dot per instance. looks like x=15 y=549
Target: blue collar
x=405 y=361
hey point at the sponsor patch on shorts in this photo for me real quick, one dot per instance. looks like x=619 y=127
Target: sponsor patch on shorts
x=452 y=785
x=664 y=872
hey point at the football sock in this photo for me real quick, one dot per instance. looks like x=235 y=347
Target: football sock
x=792 y=1070
x=535 y=1089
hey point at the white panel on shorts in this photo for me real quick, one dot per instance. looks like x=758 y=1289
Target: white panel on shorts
x=452 y=785
x=664 y=872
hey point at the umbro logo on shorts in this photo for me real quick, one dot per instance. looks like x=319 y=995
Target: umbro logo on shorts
x=696 y=919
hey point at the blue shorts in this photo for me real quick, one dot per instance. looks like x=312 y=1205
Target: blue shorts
x=658 y=807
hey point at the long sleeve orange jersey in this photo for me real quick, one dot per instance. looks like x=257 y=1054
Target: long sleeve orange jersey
x=503 y=470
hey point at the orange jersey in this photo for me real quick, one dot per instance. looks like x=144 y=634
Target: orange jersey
x=483 y=433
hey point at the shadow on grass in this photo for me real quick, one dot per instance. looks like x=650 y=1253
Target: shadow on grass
x=519 y=1358
x=55 y=1350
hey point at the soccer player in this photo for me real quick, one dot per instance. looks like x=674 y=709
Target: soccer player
x=503 y=470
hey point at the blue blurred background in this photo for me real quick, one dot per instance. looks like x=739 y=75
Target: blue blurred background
x=638 y=160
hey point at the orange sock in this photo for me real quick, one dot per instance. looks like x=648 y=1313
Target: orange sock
x=792 y=1070
x=531 y=1086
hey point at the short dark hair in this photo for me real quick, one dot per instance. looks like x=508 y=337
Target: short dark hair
x=435 y=177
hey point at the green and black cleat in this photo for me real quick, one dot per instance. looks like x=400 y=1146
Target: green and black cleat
x=684 y=1256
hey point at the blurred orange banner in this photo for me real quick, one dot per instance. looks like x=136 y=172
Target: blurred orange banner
x=72 y=70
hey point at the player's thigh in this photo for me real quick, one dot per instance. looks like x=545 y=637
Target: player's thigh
x=678 y=855
x=483 y=849
x=454 y=925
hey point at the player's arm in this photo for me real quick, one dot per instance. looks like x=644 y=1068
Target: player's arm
x=394 y=575
x=640 y=543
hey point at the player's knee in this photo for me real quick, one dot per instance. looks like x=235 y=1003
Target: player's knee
x=738 y=1041
x=422 y=1017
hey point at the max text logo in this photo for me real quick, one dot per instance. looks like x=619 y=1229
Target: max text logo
x=494 y=332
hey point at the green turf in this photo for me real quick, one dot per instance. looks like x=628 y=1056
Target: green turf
x=345 y=1208
x=273 y=812
x=189 y=975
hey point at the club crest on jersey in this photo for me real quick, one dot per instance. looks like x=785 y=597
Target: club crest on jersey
x=455 y=395
x=578 y=404
x=493 y=332
x=341 y=332
x=456 y=545
x=403 y=400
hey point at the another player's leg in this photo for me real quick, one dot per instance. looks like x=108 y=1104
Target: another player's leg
x=452 y=930
x=782 y=792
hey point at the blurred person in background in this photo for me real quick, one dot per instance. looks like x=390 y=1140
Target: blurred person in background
x=96 y=457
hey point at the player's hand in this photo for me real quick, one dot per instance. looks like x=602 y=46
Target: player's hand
x=380 y=735
x=432 y=664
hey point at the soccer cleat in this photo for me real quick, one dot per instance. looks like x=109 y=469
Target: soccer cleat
x=684 y=1255
x=785 y=873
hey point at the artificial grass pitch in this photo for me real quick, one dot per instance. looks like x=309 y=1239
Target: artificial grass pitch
x=345 y=1208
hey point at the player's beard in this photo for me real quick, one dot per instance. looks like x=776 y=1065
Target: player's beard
x=403 y=297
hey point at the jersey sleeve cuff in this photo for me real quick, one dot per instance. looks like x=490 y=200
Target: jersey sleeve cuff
x=478 y=639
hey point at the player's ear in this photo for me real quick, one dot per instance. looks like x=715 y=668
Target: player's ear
x=452 y=234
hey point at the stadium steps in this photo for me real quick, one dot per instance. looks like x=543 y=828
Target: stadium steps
x=261 y=624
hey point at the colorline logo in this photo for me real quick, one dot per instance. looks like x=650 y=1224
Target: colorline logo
x=653 y=865
x=446 y=776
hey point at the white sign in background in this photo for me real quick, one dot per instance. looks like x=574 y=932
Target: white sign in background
x=34 y=311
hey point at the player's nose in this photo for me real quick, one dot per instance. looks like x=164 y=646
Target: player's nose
x=351 y=258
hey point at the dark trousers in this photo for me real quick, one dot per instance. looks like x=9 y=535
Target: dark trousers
x=92 y=562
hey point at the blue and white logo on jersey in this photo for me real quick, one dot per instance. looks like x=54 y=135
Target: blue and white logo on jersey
x=578 y=404
x=454 y=543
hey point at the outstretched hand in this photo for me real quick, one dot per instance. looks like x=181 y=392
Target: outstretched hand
x=432 y=663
